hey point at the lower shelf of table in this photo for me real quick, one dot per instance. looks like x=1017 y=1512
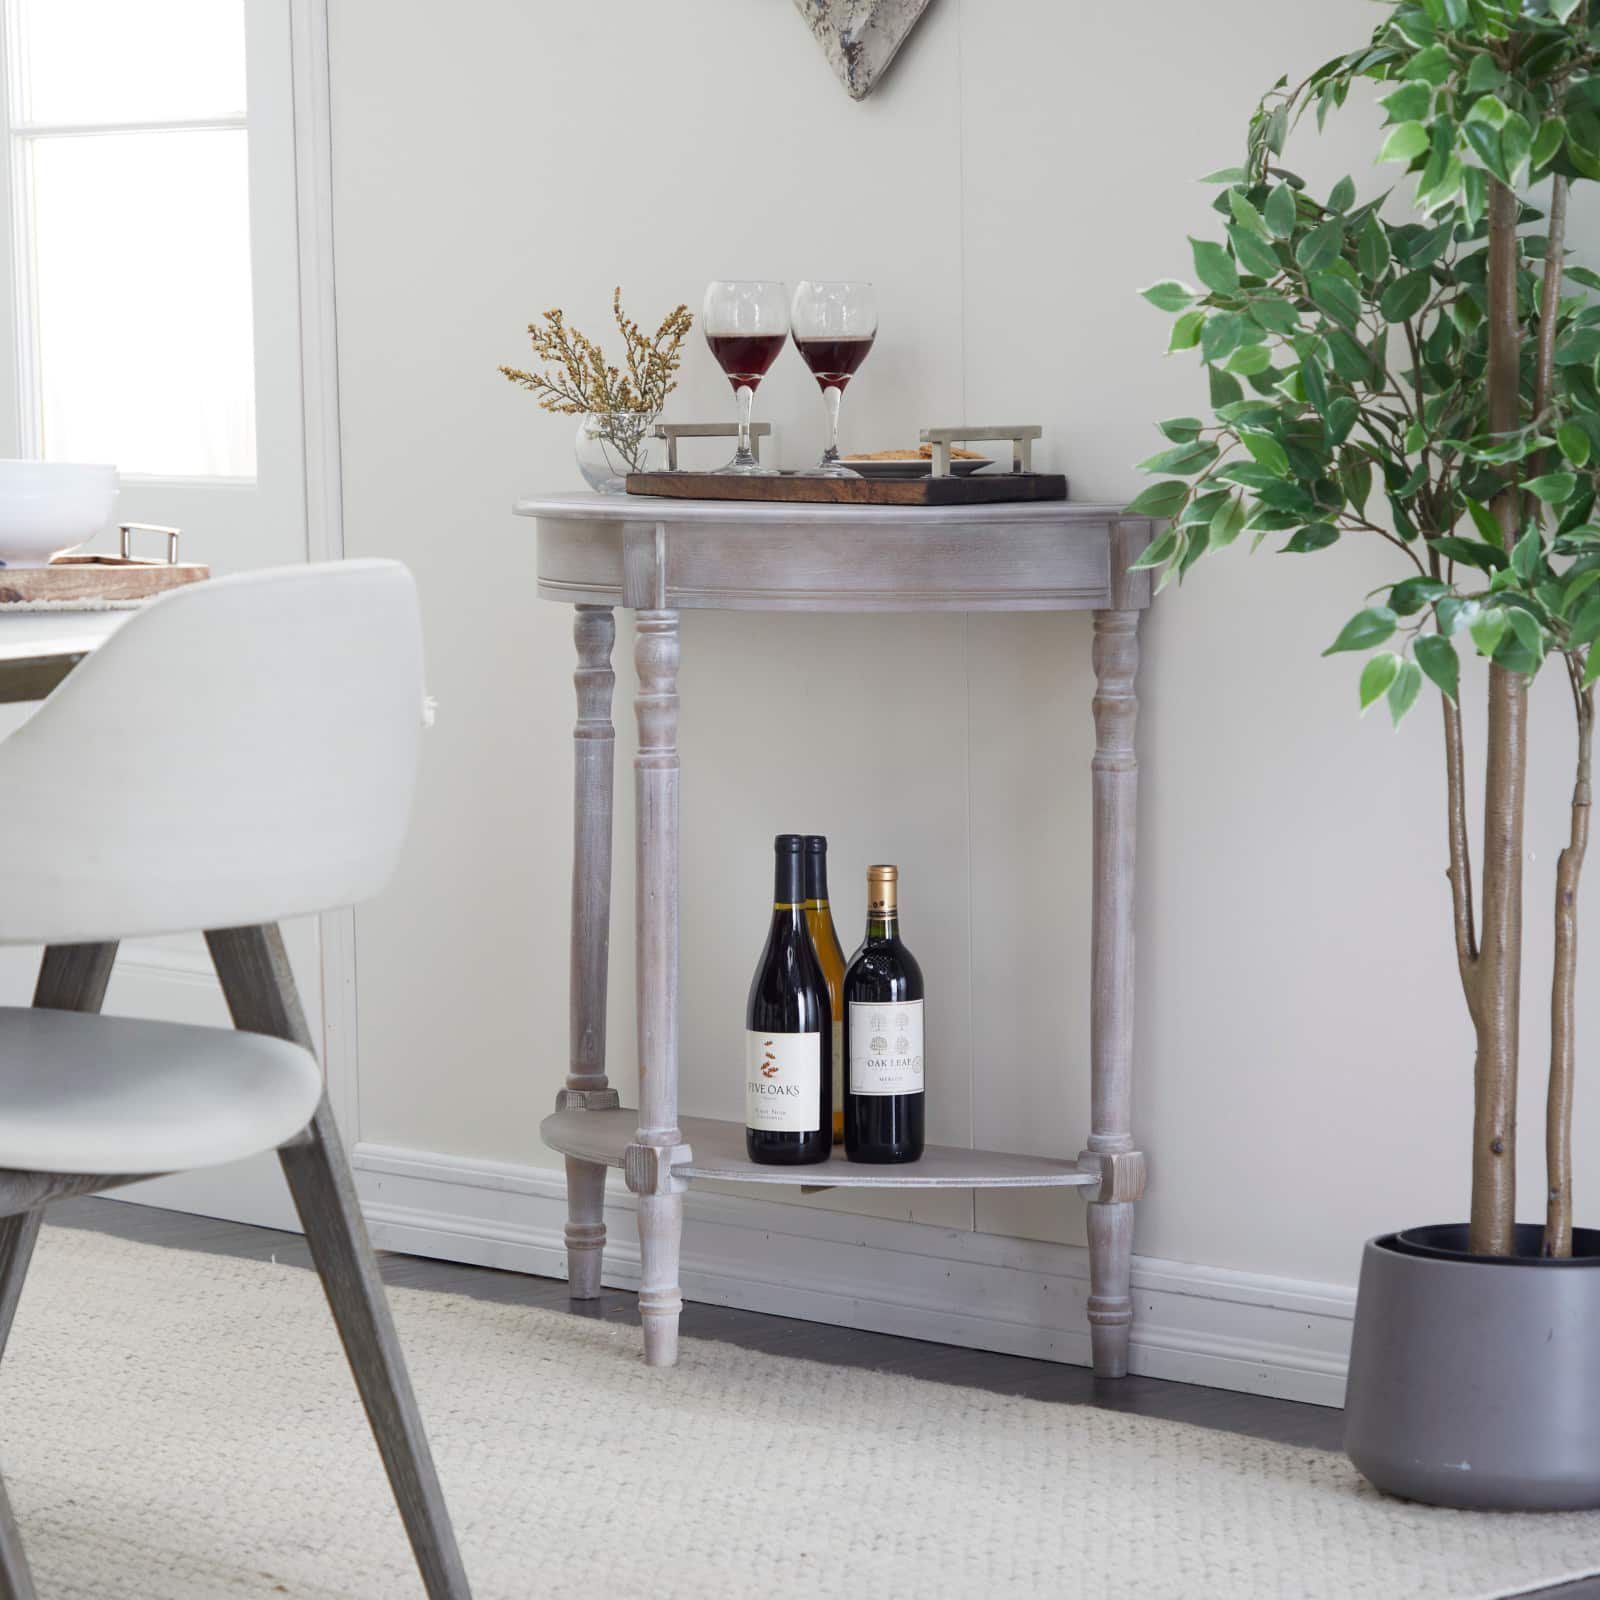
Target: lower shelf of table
x=718 y=1152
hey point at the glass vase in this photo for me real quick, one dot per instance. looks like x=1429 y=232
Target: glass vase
x=614 y=443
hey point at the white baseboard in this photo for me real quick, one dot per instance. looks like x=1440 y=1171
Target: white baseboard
x=1195 y=1324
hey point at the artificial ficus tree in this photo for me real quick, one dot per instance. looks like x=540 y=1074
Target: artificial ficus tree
x=1430 y=382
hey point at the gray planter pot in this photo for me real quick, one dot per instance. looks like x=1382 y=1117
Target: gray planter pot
x=1475 y=1380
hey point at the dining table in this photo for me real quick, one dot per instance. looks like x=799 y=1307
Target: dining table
x=39 y=648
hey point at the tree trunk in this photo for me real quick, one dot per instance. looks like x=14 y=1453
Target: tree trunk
x=1494 y=988
x=1563 y=995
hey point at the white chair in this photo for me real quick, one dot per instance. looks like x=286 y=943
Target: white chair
x=242 y=751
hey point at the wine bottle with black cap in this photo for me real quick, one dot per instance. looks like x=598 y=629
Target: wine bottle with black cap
x=825 y=940
x=883 y=1077
x=789 y=1031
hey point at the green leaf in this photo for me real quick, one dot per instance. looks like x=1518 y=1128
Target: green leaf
x=1586 y=625
x=1167 y=294
x=1483 y=74
x=1221 y=336
x=1410 y=595
x=1488 y=109
x=1249 y=360
x=1591 y=668
x=1406 y=296
x=1320 y=247
x=1411 y=102
x=1336 y=296
x=1181 y=430
x=1488 y=628
x=1486 y=522
x=1552 y=487
x=1315 y=536
x=1452 y=612
x=1158 y=550
x=1516 y=146
x=1437 y=657
x=1547 y=142
x=1486 y=557
x=1315 y=384
x=1255 y=255
x=1342 y=195
x=1527 y=554
x=1406 y=143
x=1225 y=389
x=1363 y=630
x=1575 y=442
x=1432 y=65
x=1279 y=214
x=1186 y=331
x=1376 y=677
x=1186 y=459
x=1214 y=266
x=1158 y=500
x=1403 y=691
x=1274 y=314
x=1350 y=360
x=1373 y=249
x=1527 y=629
x=1202 y=507
x=1224 y=175
x=1267 y=451
x=1228 y=523
x=1246 y=214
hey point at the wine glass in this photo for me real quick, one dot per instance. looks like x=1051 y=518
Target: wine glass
x=746 y=322
x=834 y=324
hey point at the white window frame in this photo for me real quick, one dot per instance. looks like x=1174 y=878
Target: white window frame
x=27 y=431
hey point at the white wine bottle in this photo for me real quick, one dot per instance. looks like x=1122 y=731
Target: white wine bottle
x=819 y=919
x=788 y=1099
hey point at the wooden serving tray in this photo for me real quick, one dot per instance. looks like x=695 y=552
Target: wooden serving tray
x=977 y=489
x=95 y=579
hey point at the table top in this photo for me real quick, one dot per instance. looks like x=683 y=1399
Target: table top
x=39 y=648
x=643 y=508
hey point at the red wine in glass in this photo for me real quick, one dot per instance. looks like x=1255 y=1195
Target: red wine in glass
x=834 y=323
x=746 y=323
x=745 y=357
x=833 y=361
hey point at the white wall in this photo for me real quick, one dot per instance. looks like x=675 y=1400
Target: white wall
x=1304 y=1063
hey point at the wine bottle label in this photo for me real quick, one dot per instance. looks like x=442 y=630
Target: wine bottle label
x=838 y=1066
x=783 y=1082
x=886 y=1047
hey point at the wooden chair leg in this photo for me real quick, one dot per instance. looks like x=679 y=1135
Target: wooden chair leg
x=72 y=977
x=255 y=975
x=17 y=1236
x=15 y=1581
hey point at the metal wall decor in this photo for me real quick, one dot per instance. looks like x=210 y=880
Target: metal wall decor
x=860 y=37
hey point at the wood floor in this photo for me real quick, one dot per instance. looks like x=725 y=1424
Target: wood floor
x=1285 y=1421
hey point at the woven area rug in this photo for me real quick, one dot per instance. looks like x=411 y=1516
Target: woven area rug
x=179 y=1426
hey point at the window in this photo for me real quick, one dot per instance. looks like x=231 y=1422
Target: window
x=130 y=220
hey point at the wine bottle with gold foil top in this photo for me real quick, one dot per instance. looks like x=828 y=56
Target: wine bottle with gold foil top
x=819 y=918
x=883 y=1072
x=788 y=1080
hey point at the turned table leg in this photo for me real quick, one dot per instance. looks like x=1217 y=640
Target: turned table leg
x=594 y=630
x=1111 y=1148
x=659 y=1143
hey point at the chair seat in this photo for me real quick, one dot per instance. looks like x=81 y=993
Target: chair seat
x=92 y=1094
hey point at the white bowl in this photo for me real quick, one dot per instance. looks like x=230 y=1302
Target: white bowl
x=49 y=507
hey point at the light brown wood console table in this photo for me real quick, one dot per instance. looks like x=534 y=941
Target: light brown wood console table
x=660 y=557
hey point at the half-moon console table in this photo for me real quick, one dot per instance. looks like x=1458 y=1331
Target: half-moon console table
x=659 y=557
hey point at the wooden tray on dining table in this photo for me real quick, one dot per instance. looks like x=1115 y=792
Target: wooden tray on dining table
x=90 y=580
x=976 y=489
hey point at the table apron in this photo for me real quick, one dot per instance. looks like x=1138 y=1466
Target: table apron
x=777 y=567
